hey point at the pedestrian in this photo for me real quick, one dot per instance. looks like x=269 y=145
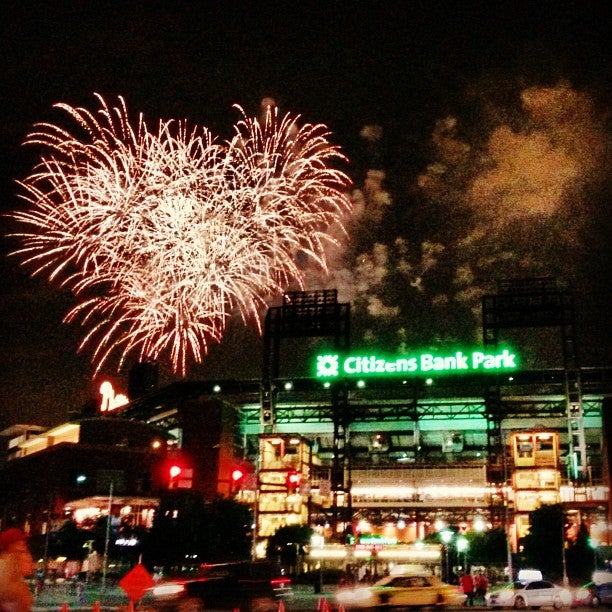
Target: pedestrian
x=481 y=585
x=15 y=564
x=467 y=586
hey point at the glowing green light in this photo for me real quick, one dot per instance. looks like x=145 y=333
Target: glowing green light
x=333 y=365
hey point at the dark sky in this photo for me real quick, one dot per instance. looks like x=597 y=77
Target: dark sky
x=474 y=99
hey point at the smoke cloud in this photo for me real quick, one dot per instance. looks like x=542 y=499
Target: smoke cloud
x=496 y=202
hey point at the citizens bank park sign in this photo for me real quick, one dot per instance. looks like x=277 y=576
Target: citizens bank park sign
x=332 y=365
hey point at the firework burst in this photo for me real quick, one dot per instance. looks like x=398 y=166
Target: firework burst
x=163 y=235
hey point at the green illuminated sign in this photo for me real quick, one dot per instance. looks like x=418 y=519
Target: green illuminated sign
x=332 y=365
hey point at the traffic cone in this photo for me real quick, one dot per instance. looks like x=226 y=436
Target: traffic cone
x=64 y=607
x=323 y=605
x=95 y=607
x=341 y=608
x=281 y=606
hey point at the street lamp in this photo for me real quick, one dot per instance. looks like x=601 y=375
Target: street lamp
x=446 y=535
x=462 y=547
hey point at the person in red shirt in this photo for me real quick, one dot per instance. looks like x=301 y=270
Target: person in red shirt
x=467 y=586
x=15 y=564
x=481 y=585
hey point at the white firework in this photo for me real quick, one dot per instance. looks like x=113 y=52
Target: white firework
x=164 y=235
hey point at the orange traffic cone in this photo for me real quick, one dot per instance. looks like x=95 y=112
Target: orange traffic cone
x=64 y=607
x=323 y=605
x=281 y=606
x=341 y=608
x=96 y=607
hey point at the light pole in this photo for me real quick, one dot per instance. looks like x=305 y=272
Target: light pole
x=447 y=536
x=462 y=547
x=563 y=557
x=107 y=538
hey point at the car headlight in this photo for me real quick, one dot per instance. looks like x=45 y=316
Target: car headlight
x=583 y=595
x=353 y=595
x=168 y=589
x=566 y=597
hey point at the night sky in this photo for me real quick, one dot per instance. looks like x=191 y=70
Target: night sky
x=477 y=134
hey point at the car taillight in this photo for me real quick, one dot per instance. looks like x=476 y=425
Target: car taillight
x=279 y=582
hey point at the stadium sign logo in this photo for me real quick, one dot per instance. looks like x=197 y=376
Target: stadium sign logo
x=332 y=365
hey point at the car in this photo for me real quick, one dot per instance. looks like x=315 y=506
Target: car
x=401 y=590
x=245 y=586
x=529 y=594
x=595 y=593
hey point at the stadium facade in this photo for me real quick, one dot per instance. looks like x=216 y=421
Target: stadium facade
x=390 y=447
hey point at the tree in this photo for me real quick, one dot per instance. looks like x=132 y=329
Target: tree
x=543 y=546
x=580 y=556
x=287 y=543
x=187 y=526
x=228 y=531
x=547 y=546
x=68 y=541
x=488 y=547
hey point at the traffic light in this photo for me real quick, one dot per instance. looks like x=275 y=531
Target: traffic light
x=267 y=407
x=292 y=481
x=237 y=479
x=179 y=477
x=174 y=471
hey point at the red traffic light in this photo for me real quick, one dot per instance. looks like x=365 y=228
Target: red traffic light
x=292 y=480
x=175 y=470
x=237 y=474
x=178 y=473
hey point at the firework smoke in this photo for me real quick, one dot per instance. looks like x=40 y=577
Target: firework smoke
x=163 y=235
x=502 y=202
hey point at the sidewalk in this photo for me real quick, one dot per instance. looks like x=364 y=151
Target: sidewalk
x=80 y=597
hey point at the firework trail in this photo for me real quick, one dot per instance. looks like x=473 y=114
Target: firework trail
x=164 y=235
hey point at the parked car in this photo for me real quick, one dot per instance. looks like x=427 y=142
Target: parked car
x=245 y=586
x=596 y=593
x=530 y=594
x=401 y=590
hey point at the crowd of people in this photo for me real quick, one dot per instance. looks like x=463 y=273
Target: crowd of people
x=474 y=586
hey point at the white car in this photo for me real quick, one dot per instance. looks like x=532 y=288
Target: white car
x=532 y=594
x=401 y=590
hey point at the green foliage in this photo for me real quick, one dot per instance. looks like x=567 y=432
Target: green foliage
x=546 y=546
x=488 y=547
x=542 y=547
x=228 y=530
x=287 y=543
x=580 y=558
